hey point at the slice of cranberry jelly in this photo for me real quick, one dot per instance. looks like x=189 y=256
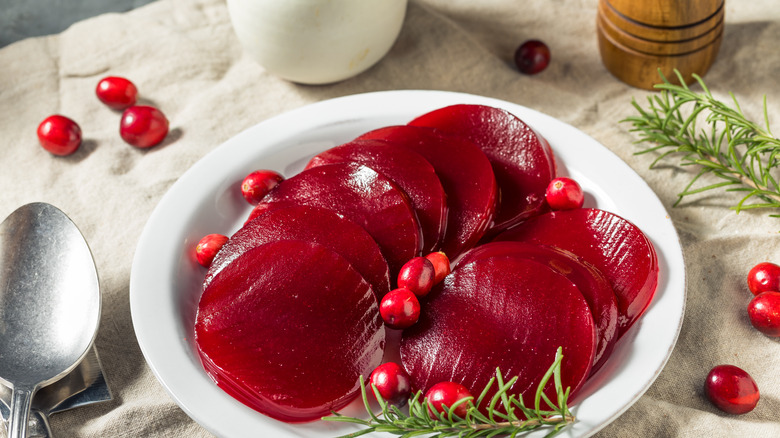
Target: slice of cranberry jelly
x=505 y=312
x=465 y=174
x=409 y=170
x=520 y=161
x=612 y=244
x=361 y=195
x=287 y=328
x=310 y=224
x=592 y=284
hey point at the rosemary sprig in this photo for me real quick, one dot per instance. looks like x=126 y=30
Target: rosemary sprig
x=506 y=415
x=744 y=154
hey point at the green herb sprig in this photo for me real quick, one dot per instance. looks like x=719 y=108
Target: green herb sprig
x=506 y=415
x=743 y=154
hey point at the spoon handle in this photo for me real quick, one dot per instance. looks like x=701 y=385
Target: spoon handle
x=20 y=412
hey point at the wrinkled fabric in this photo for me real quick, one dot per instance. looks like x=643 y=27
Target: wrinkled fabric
x=185 y=59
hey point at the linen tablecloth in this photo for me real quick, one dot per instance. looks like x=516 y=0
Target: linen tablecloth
x=185 y=59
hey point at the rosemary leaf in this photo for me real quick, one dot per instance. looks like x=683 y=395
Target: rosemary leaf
x=506 y=416
x=730 y=147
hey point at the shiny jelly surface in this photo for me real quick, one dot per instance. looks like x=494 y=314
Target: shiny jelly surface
x=612 y=244
x=409 y=170
x=285 y=338
x=505 y=312
x=591 y=283
x=362 y=195
x=465 y=174
x=520 y=161
x=310 y=224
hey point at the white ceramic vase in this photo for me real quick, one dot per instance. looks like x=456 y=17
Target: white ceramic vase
x=317 y=41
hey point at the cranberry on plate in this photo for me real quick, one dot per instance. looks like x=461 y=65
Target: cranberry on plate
x=400 y=308
x=564 y=194
x=441 y=265
x=258 y=183
x=208 y=247
x=59 y=135
x=447 y=394
x=392 y=382
x=417 y=275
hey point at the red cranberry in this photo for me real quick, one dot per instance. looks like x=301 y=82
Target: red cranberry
x=116 y=92
x=417 y=275
x=143 y=126
x=447 y=393
x=208 y=247
x=764 y=277
x=441 y=265
x=532 y=57
x=258 y=183
x=400 y=308
x=59 y=135
x=764 y=313
x=564 y=194
x=731 y=389
x=392 y=382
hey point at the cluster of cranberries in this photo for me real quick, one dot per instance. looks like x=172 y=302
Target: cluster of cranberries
x=253 y=188
x=392 y=382
x=140 y=125
x=730 y=388
x=400 y=308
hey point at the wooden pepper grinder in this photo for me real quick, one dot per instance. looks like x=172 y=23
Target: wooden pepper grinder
x=636 y=38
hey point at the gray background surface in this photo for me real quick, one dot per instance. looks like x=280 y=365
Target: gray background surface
x=21 y=19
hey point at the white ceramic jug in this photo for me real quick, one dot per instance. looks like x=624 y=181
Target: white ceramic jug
x=317 y=41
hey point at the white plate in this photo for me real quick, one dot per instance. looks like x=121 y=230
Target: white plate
x=165 y=279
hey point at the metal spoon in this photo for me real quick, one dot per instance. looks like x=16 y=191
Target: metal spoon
x=49 y=303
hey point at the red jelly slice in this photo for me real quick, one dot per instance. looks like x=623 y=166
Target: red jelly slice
x=612 y=244
x=361 y=195
x=509 y=313
x=520 y=161
x=409 y=170
x=592 y=284
x=287 y=328
x=465 y=174
x=310 y=224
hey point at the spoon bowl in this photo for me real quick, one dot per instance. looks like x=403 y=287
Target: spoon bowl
x=49 y=303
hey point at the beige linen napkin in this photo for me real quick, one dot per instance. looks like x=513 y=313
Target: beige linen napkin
x=185 y=59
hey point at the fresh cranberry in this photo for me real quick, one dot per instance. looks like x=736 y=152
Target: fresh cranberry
x=400 y=308
x=731 y=389
x=447 y=393
x=143 y=126
x=441 y=265
x=417 y=275
x=764 y=277
x=564 y=194
x=258 y=183
x=764 y=313
x=392 y=382
x=116 y=92
x=59 y=135
x=532 y=57
x=208 y=247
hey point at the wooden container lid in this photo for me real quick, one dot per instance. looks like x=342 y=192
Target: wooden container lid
x=667 y=13
x=641 y=69
x=651 y=47
x=660 y=33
